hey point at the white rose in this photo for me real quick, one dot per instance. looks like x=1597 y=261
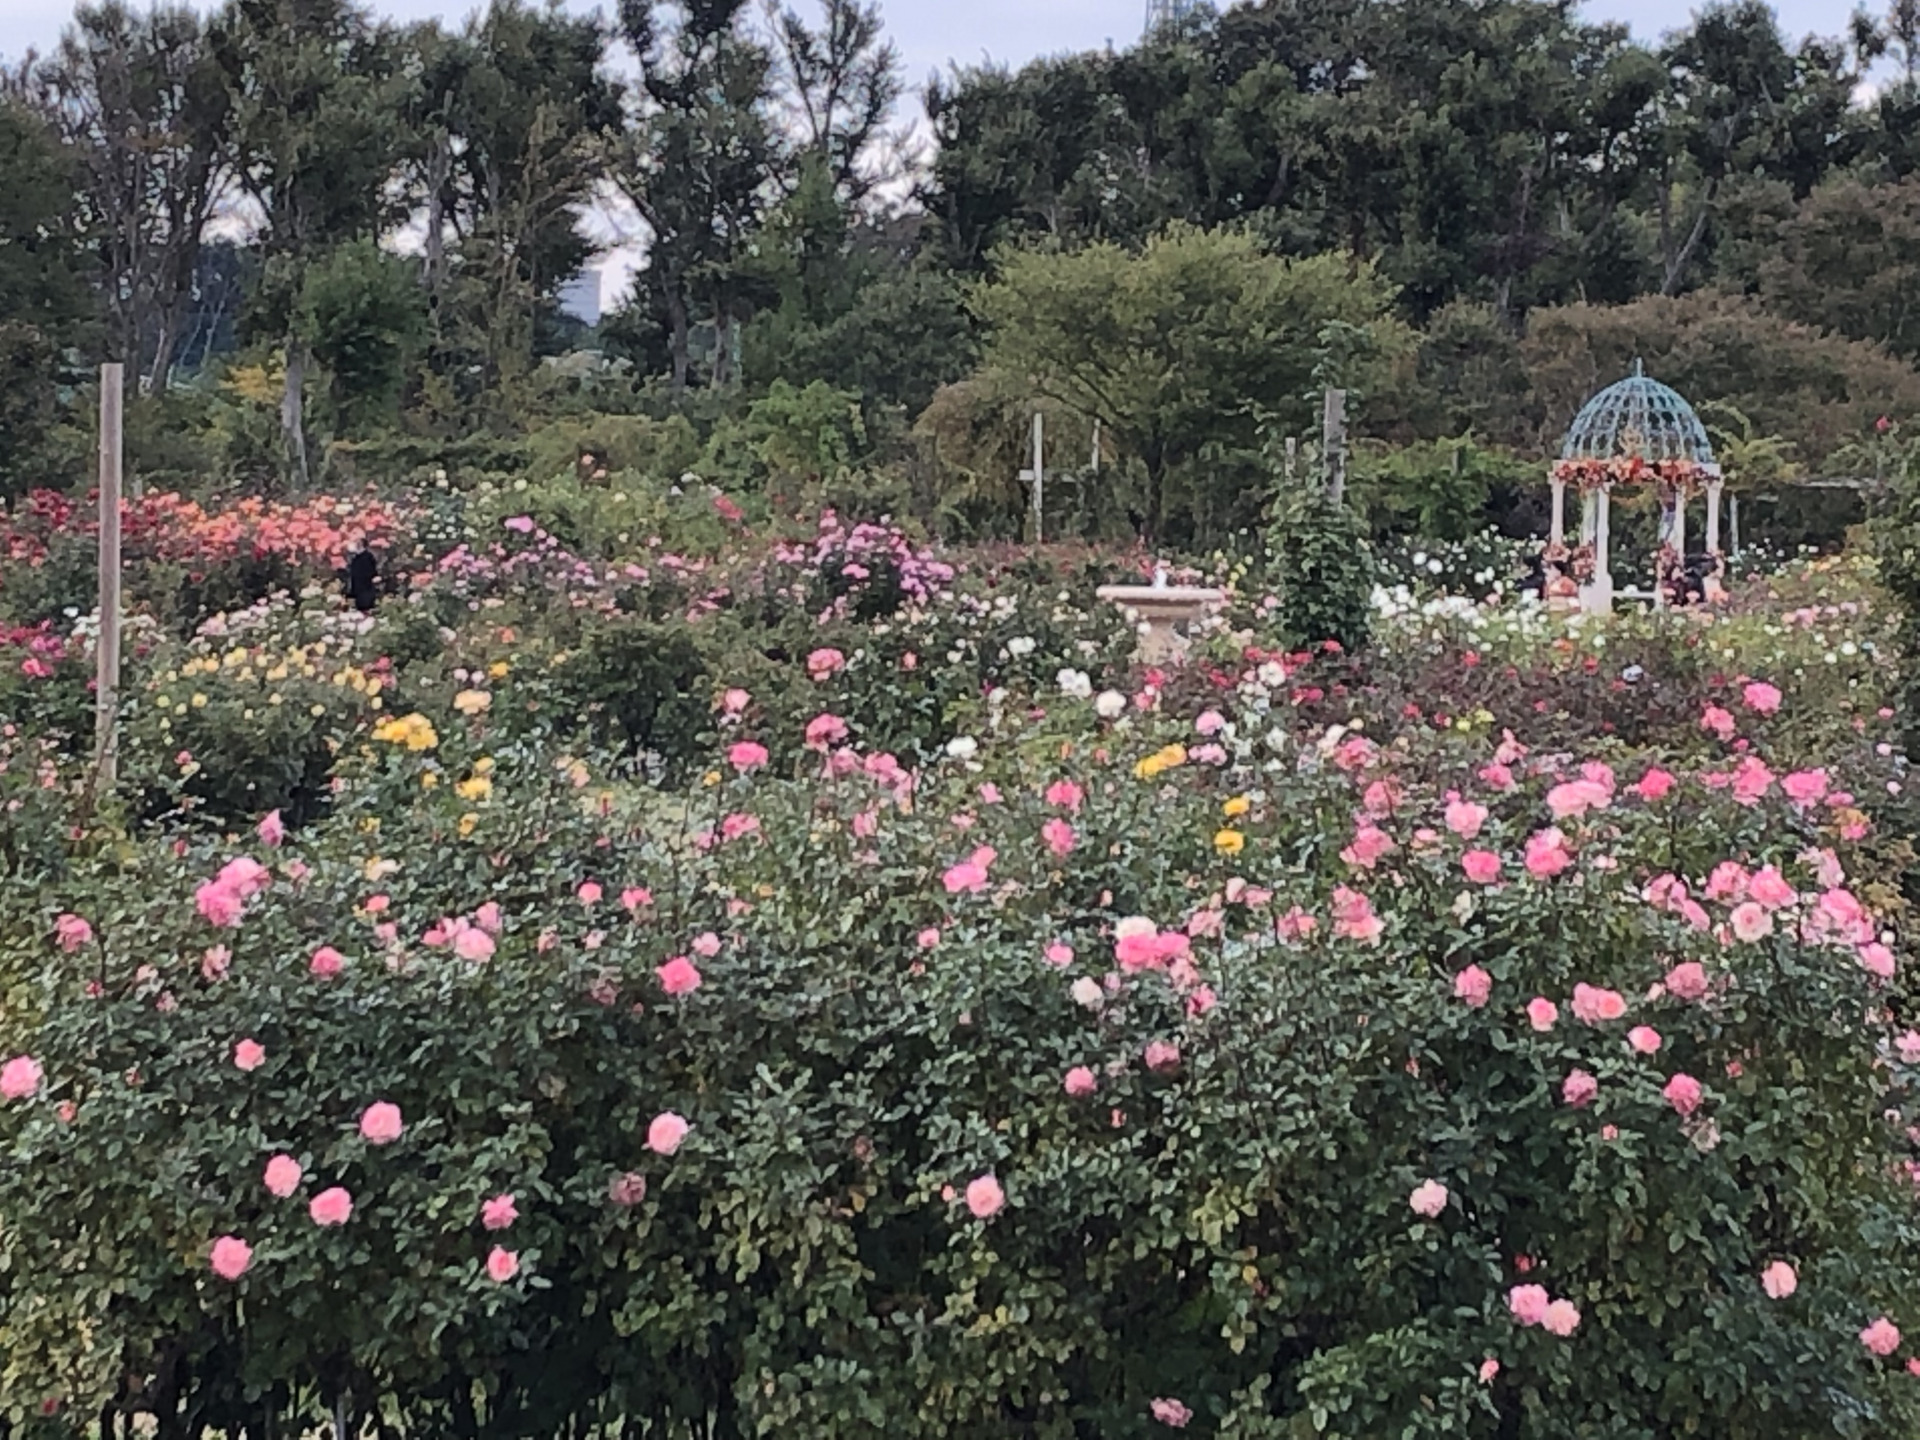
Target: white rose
x=962 y=747
x=1075 y=684
x=1111 y=705
x=1087 y=992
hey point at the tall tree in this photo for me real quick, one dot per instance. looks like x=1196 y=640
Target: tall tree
x=145 y=109
x=1743 y=104
x=316 y=88
x=43 y=298
x=840 y=82
x=513 y=120
x=696 y=163
x=1186 y=348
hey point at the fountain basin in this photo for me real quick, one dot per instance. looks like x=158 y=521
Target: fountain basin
x=1159 y=610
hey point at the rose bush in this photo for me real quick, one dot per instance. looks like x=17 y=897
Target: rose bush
x=1200 y=1066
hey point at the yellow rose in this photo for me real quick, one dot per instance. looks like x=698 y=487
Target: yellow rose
x=497 y=670
x=467 y=823
x=479 y=787
x=1229 y=842
x=1237 y=806
x=472 y=702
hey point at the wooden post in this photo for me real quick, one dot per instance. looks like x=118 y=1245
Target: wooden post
x=1039 y=472
x=1733 y=525
x=1035 y=474
x=106 y=699
x=1333 y=443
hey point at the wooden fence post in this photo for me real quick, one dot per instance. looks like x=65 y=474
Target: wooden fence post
x=1333 y=443
x=106 y=699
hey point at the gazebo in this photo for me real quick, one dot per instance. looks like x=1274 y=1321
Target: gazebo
x=1635 y=432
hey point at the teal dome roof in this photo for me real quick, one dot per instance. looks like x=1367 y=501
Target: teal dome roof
x=1638 y=419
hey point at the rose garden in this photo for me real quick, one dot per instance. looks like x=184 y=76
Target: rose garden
x=805 y=981
x=1203 y=738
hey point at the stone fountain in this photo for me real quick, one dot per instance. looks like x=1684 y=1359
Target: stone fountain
x=1157 y=610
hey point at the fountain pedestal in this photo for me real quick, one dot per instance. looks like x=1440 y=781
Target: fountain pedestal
x=1158 y=610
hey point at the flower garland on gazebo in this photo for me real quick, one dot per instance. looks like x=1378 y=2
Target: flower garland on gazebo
x=1590 y=474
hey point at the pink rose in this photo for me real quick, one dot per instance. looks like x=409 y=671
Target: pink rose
x=1683 y=1093
x=745 y=755
x=1547 y=854
x=1059 y=836
x=1882 y=1337
x=1579 y=1088
x=1162 y=1055
x=1718 y=721
x=666 y=1132
x=1542 y=1013
x=473 y=945
x=1065 y=794
x=1878 y=960
x=326 y=962
x=1594 y=1006
x=1170 y=1413
x=283 y=1176
x=218 y=905
x=678 y=976
x=1482 y=866
x=1687 y=980
x=1529 y=1303
x=1059 y=955
x=249 y=1055
x=230 y=1257
x=1771 y=889
x=1489 y=1368
x=589 y=892
x=502 y=1265
x=1644 y=1038
x=1464 y=818
x=380 y=1123
x=20 y=1077
x=1080 y=1081
x=985 y=1197
x=1761 y=698
x=1473 y=985
x=331 y=1207
x=627 y=1190
x=1428 y=1199
x=272 y=830
x=71 y=932
x=1779 y=1280
x=1561 y=1318
x=825 y=730
x=1656 y=784
x=1751 y=922
x=498 y=1213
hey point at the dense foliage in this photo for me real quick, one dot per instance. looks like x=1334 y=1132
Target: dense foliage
x=1468 y=219
x=812 y=982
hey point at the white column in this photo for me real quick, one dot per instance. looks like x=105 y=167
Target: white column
x=1680 y=533
x=1711 y=587
x=1596 y=596
x=1557 y=531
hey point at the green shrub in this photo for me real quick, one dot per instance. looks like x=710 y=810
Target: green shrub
x=1320 y=565
x=1227 y=1224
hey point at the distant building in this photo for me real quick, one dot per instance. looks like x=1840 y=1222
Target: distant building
x=580 y=296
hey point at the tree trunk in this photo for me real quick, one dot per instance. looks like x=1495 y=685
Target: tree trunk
x=293 y=411
x=439 y=168
x=722 y=350
x=677 y=335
